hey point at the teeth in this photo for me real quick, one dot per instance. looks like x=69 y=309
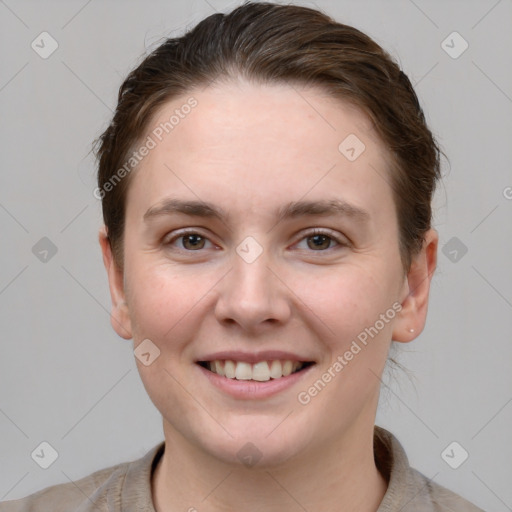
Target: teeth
x=217 y=365
x=243 y=371
x=287 y=368
x=229 y=369
x=261 y=371
x=276 y=370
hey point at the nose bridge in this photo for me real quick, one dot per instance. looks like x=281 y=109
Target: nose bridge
x=251 y=294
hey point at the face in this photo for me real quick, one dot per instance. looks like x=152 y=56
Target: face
x=253 y=237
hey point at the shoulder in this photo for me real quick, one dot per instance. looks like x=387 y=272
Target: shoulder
x=408 y=489
x=102 y=490
x=436 y=497
x=67 y=496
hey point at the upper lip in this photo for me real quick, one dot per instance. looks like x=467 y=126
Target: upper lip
x=253 y=357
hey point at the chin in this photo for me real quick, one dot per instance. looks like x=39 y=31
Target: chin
x=257 y=445
x=260 y=454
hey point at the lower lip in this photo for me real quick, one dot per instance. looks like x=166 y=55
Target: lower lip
x=247 y=389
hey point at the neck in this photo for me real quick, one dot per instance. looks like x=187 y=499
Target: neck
x=188 y=479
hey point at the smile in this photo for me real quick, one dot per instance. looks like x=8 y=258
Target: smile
x=261 y=371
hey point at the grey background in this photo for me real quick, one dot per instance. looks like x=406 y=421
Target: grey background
x=68 y=379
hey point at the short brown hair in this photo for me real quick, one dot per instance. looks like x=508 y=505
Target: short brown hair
x=271 y=43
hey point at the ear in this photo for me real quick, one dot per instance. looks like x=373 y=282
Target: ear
x=119 y=315
x=415 y=291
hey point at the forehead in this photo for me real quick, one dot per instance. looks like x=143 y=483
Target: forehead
x=248 y=145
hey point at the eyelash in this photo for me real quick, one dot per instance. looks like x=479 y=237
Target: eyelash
x=313 y=232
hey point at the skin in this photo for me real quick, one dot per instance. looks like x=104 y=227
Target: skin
x=250 y=149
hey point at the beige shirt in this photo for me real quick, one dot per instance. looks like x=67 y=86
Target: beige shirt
x=126 y=487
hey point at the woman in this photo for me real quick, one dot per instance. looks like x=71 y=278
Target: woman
x=266 y=185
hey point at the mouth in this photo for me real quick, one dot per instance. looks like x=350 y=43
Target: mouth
x=261 y=371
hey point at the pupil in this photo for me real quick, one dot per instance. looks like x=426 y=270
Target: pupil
x=193 y=240
x=319 y=241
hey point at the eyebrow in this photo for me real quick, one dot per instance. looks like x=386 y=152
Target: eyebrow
x=171 y=206
x=337 y=207
x=324 y=208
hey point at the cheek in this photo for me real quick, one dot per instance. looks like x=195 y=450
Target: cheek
x=348 y=300
x=357 y=308
x=163 y=300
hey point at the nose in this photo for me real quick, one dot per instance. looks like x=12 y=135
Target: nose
x=252 y=296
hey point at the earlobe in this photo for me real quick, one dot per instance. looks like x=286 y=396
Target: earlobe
x=119 y=315
x=415 y=292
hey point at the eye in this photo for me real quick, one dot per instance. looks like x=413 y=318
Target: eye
x=321 y=240
x=318 y=240
x=188 y=241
